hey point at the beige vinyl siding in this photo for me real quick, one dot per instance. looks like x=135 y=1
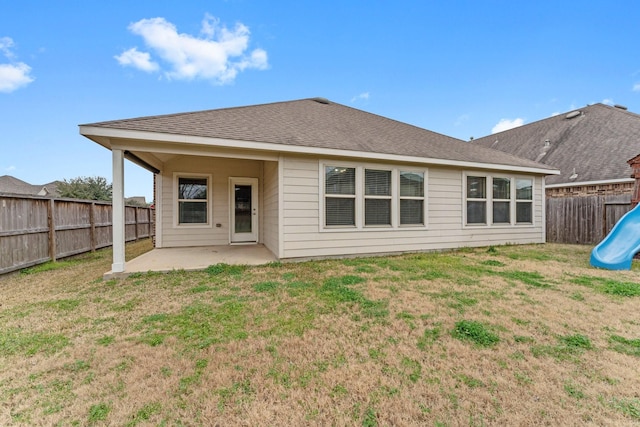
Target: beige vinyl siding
x=270 y=206
x=304 y=235
x=220 y=171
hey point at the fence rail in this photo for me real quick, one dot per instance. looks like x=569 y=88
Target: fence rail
x=35 y=229
x=584 y=220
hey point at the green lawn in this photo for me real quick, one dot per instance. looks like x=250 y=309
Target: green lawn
x=507 y=335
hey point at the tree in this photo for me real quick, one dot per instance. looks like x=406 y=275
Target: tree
x=87 y=188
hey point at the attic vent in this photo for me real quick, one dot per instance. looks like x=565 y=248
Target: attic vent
x=573 y=114
x=622 y=107
x=321 y=100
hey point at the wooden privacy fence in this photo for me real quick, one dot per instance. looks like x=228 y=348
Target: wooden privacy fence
x=34 y=230
x=584 y=220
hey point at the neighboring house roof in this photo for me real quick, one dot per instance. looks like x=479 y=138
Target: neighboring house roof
x=313 y=125
x=12 y=185
x=591 y=144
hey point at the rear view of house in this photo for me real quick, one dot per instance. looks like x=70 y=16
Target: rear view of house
x=313 y=178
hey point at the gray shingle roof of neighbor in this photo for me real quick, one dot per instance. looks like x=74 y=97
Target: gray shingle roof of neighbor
x=593 y=142
x=319 y=123
x=13 y=185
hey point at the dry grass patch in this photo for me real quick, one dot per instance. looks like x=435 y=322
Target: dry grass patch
x=509 y=335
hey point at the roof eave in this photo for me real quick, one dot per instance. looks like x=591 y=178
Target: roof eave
x=102 y=136
x=595 y=182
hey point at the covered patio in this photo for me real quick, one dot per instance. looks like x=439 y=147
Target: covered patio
x=195 y=258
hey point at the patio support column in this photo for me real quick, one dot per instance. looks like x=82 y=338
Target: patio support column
x=118 y=211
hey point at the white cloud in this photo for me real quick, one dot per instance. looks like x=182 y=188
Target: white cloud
x=137 y=59
x=636 y=87
x=10 y=168
x=13 y=75
x=219 y=54
x=506 y=124
x=363 y=96
x=608 y=101
x=6 y=43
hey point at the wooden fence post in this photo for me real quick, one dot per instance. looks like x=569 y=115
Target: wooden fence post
x=135 y=214
x=92 y=223
x=51 y=220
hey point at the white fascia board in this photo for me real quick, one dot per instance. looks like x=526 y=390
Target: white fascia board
x=95 y=131
x=602 y=182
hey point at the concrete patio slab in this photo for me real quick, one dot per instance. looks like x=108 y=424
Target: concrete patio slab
x=195 y=258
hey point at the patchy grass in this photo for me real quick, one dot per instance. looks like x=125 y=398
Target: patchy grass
x=505 y=335
x=476 y=332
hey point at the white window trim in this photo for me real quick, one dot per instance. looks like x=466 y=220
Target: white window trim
x=176 y=176
x=489 y=201
x=510 y=200
x=392 y=189
x=424 y=198
x=360 y=197
x=530 y=201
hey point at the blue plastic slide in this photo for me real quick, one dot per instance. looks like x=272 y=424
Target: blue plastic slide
x=616 y=251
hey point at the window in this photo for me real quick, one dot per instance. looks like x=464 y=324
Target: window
x=193 y=200
x=411 y=198
x=372 y=197
x=476 y=200
x=501 y=200
x=524 y=201
x=498 y=200
x=377 y=197
x=340 y=196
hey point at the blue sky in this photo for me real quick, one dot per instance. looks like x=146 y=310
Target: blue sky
x=461 y=68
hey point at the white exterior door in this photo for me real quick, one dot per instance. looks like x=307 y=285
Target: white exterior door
x=244 y=210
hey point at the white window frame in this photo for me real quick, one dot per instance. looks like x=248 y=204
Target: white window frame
x=176 y=201
x=486 y=199
x=360 y=197
x=324 y=196
x=490 y=199
x=510 y=200
x=366 y=197
x=522 y=201
x=423 y=198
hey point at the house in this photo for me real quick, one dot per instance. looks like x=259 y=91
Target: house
x=314 y=178
x=12 y=185
x=590 y=146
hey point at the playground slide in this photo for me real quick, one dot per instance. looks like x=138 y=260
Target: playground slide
x=616 y=251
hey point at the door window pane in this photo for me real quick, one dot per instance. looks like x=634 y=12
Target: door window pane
x=243 y=209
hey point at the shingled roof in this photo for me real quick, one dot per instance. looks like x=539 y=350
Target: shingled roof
x=316 y=123
x=589 y=144
x=13 y=185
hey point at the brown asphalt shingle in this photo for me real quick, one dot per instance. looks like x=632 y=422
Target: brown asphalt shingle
x=309 y=123
x=596 y=142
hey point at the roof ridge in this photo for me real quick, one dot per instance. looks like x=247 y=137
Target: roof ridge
x=187 y=113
